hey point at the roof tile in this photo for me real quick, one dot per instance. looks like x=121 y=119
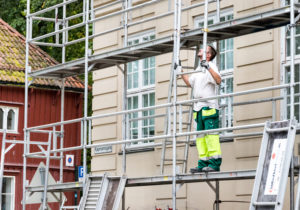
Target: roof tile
x=12 y=60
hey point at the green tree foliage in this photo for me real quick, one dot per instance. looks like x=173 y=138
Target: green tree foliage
x=14 y=13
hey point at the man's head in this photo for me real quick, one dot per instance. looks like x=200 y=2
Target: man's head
x=210 y=53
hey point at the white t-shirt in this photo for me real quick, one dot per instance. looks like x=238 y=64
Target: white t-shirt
x=204 y=86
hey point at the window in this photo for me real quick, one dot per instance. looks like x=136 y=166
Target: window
x=8 y=193
x=140 y=92
x=297 y=91
x=225 y=61
x=286 y=74
x=9 y=119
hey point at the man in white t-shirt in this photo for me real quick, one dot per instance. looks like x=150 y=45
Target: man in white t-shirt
x=206 y=113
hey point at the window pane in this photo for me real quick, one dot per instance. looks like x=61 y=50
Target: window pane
x=11 y=120
x=152 y=99
x=222 y=61
x=146 y=63
x=129 y=82
x=1 y=118
x=135 y=80
x=145 y=39
x=229 y=59
x=288 y=48
x=297 y=45
x=152 y=62
x=135 y=102
x=152 y=37
x=6 y=188
x=229 y=43
x=145 y=100
x=7 y=193
x=152 y=76
x=6 y=202
x=222 y=45
x=146 y=78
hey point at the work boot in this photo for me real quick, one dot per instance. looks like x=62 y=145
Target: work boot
x=208 y=169
x=196 y=170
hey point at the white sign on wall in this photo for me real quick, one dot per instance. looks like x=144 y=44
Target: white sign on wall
x=275 y=167
x=70 y=160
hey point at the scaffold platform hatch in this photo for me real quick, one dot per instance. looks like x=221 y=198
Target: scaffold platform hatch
x=103 y=193
x=273 y=165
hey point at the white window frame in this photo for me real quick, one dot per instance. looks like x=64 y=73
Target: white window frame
x=140 y=114
x=140 y=90
x=13 y=186
x=285 y=61
x=140 y=65
x=227 y=73
x=6 y=109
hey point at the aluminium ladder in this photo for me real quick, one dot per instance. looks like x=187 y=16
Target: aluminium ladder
x=273 y=165
x=168 y=123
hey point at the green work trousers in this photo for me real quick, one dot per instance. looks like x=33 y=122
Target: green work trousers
x=208 y=146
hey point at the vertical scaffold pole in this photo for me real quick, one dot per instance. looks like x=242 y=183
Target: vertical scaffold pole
x=62 y=96
x=292 y=90
x=176 y=52
x=125 y=131
x=27 y=68
x=86 y=67
x=205 y=29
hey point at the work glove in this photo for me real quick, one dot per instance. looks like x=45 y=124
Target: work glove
x=204 y=64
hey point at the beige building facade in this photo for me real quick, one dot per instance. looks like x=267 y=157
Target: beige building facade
x=248 y=62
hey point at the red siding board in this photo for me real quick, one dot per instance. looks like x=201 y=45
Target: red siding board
x=44 y=108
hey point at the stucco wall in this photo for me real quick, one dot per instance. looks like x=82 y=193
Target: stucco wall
x=256 y=65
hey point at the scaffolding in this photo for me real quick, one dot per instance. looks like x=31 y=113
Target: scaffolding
x=188 y=40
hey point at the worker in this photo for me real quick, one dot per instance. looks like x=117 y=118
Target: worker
x=206 y=113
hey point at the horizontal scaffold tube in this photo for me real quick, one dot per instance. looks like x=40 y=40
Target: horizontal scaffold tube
x=155 y=138
x=161 y=106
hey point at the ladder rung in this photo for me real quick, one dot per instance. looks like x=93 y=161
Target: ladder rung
x=275 y=130
x=69 y=207
x=170 y=141
x=264 y=203
x=187 y=67
x=184 y=123
x=184 y=86
x=179 y=160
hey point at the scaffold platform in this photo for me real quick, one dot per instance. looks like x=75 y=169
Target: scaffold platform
x=158 y=180
x=191 y=38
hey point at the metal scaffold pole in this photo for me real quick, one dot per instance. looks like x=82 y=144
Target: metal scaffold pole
x=205 y=29
x=176 y=52
x=86 y=95
x=125 y=116
x=292 y=93
x=125 y=131
x=62 y=99
x=27 y=69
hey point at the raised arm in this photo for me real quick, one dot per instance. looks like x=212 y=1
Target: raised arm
x=186 y=79
x=216 y=76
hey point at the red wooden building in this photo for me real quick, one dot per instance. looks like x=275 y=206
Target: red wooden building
x=44 y=107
